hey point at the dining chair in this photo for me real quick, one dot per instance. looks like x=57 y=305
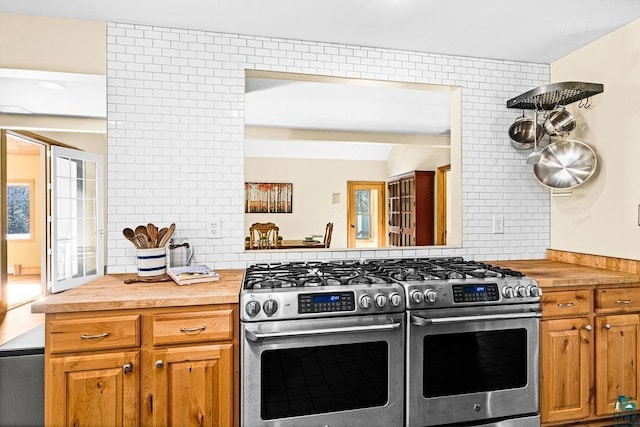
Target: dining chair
x=327 y=234
x=263 y=236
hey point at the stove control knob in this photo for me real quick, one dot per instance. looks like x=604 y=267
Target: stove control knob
x=252 y=308
x=395 y=299
x=508 y=292
x=381 y=300
x=521 y=291
x=270 y=307
x=365 y=301
x=431 y=296
x=535 y=291
x=417 y=297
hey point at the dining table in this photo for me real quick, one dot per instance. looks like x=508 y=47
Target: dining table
x=300 y=244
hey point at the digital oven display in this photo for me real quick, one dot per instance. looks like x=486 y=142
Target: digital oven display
x=321 y=299
x=473 y=293
x=326 y=302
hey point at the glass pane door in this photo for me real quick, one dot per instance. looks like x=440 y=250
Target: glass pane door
x=77 y=224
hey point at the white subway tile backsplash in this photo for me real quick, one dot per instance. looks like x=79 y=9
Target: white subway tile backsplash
x=176 y=98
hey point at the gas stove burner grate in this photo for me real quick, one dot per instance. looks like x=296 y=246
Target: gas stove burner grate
x=310 y=274
x=368 y=272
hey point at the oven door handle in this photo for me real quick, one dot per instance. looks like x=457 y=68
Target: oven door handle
x=253 y=335
x=421 y=321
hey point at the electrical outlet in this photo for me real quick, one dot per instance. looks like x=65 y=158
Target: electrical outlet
x=214 y=228
x=498 y=224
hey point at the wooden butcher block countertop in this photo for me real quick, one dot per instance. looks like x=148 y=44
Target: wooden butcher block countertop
x=554 y=274
x=111 y=293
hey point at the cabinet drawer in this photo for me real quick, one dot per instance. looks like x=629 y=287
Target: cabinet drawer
x=192 y=327
x=97 y=333
x=566 y=303
x=625 y=299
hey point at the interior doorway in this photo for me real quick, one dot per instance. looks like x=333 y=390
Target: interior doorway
x=443 y=200
x=365 y=214
x=26 y=234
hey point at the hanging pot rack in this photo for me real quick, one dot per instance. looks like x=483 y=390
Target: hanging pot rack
x=552 y=95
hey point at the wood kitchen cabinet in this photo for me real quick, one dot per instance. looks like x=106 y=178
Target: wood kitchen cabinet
x=172 y=366
x=566 y=356
x=589 y=354
x=411 y=209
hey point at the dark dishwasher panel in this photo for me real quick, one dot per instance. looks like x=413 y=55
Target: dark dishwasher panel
x=22 y=380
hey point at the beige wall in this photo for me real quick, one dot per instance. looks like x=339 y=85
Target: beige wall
x=601 y=217
x=407 y=158
x=314 y=183
x=52 y=44
x=27 y=252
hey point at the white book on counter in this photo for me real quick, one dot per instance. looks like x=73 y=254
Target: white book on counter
x=191 y=274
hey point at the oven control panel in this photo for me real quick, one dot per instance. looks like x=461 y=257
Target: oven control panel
x=475 y=292
x=326 y=302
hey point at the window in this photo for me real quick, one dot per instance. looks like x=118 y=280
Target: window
x=363 y=214
x=20 y=202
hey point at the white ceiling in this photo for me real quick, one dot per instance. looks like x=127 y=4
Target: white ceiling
x=52 y=93
x=535 y=31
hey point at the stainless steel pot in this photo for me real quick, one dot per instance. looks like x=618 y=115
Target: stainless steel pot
x=523 y=133
x=559 y=122
x=565 y=164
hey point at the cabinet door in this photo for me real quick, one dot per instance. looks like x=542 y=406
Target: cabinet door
x=193 y=386
x=566 y=352
x=93 y=390
x=617 y=347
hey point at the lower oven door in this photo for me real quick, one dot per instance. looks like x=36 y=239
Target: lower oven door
x=466 y=368
x=323 y=372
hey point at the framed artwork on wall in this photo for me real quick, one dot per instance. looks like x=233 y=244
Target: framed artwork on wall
x=265 y=197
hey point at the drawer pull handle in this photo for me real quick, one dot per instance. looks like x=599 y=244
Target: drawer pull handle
x=567 y=304
x=624 y=301
x=607 y=326
x=588 y=328
x=127 y=368
x=92 y=337
x=159 y=364
x=196 y=329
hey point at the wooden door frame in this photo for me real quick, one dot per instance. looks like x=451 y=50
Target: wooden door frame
x=371 y=185
x=3 y=224
x=441 y=204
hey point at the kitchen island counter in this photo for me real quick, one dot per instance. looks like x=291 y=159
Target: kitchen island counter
x=554 y=274
x=111 y=293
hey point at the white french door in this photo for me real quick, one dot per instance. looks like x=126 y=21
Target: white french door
x=77 y=233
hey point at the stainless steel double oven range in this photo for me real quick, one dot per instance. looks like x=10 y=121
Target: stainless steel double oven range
x=389 y=342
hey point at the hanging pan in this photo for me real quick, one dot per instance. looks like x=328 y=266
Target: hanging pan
x=565 y=164
x=523 y=133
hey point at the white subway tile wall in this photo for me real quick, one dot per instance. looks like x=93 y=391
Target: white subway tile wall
x=175 y=140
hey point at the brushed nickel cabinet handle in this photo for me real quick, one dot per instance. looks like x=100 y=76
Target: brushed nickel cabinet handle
x=127 y=368
x=588 y=328
x=607 y=326
x=624 y=301
x=566 y=304
x=196 y=329
x=159 y=364
x=91 y=337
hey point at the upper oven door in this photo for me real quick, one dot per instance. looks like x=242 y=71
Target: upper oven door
x=471 y=367
x=323 y=372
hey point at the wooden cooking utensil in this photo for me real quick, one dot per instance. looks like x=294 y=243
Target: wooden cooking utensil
x=143 y=241
x=142 y=229
x=129 y=234
x=160 y=235
x=165 y=239
x=150 y=279
x=152 y=232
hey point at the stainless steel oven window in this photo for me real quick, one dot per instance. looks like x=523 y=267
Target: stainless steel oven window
x=320 y=379
x=474 y=362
